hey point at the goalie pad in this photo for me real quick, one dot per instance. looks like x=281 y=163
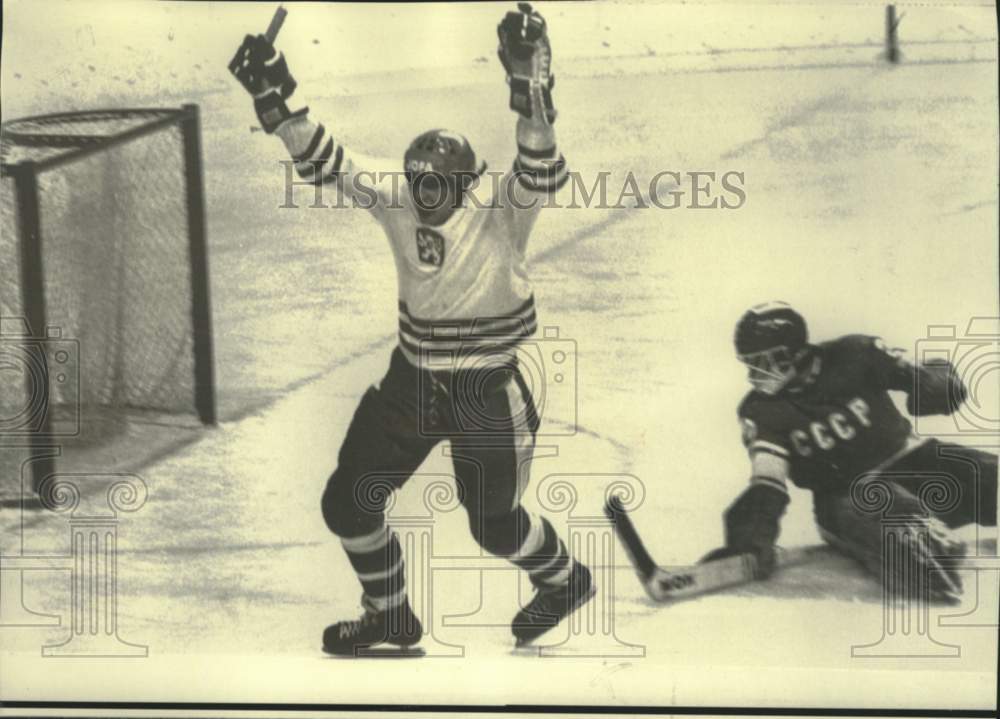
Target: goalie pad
x=903 y=546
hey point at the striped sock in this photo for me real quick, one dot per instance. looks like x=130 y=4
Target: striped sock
x=378 y=560
x=543 y=555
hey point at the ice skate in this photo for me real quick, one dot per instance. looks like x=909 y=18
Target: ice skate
x=550 y=606
x=397 y=626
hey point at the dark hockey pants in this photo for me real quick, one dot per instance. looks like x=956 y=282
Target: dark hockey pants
x=491 y=422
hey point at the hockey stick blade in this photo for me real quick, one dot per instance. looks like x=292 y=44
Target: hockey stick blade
x=674 y=583
x=637 y=553
x=664 y=584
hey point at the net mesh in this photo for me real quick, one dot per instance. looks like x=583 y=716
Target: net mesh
x=43 y=138
x=116 y=273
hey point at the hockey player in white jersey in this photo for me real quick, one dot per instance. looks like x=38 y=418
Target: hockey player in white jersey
x=464 y=293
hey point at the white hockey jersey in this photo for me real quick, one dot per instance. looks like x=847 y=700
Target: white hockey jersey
x=463 y=284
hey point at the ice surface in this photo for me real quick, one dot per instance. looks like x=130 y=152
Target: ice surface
x=871 y=206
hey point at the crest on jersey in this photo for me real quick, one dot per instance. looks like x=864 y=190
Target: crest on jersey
x=749 y=430
x=430 y=247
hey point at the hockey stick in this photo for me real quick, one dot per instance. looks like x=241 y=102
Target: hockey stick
x=669 y=583
x=276 y=22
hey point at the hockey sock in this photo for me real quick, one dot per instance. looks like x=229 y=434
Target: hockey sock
x=378 y=561
x=542 y=554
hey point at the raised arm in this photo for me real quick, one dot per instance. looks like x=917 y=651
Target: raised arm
x=318 y=157
x=539 y=168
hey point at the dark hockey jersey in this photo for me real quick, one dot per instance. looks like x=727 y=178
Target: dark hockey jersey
x=841 y=423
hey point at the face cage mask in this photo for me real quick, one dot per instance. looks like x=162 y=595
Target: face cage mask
x=463 y=178
x=770 y=370
x=441 y=191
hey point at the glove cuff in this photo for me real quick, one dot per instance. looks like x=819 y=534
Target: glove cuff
x=520 y=98
x=753 y=519
x=272 y=112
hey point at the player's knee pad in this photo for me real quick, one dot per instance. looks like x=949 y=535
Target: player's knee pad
x=335 y=509
x=346 y=513
x=499 y=534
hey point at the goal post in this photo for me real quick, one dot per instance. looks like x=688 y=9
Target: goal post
x=104 y=300
x=201 y=318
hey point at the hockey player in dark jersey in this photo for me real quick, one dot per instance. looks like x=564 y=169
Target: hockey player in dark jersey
x=821 y=416
x=464 y=294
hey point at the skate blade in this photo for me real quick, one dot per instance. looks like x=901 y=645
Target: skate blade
x=523 y=643
x=391 y=652
x=383 y=652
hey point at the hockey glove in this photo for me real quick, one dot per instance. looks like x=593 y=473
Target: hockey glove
x=264 y=74
x=526 y=55
x=752 y=526
x=938 y=389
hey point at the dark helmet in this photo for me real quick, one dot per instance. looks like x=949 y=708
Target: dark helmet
x=770 y=325
x=771 y=339
x=442 y=152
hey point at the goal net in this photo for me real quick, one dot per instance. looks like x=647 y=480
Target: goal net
x=104 y=296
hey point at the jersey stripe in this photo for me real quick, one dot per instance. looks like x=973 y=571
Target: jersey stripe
x=417 y=336
x=498 y=330
x=524 y=311
x=537 y=176
x=515 y=326
x=313 y=144
x=770 y=482
x=314 y=164
x=760 y=445
x=548 y=153
x=324 y=155
x=334 y=167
